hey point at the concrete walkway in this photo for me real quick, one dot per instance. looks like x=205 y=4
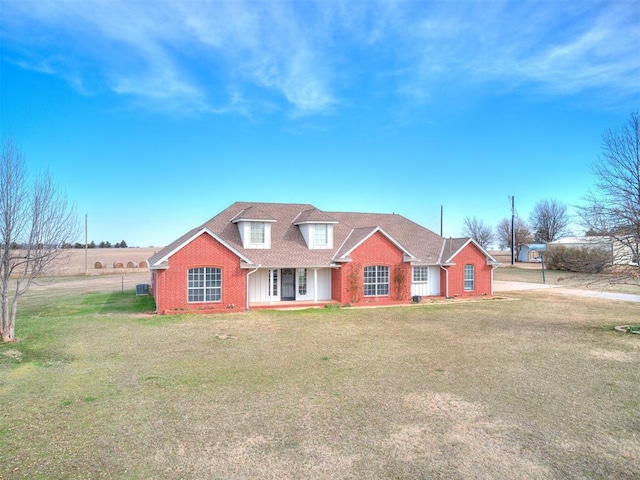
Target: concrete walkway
x=502 y=286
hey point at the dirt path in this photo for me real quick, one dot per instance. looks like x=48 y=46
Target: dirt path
x=504 y=286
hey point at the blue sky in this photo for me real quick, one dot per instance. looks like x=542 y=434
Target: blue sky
x=155 y=116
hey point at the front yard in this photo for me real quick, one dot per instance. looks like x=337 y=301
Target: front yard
x=527 y=386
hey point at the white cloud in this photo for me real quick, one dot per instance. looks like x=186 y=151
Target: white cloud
x=307 y=57
x=558 y=47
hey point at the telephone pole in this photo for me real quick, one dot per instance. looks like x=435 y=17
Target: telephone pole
x=513 y=229
x=86 y=244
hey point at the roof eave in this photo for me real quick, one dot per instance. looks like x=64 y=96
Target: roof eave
x=162 y=266
x=321 y=222
x=201 y=231
x=263 y=220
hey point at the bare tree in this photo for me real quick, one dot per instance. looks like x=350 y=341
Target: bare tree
x=612 y=207
x=35 y=221
x=503 y=233
x=478 y=230
x=549 y=220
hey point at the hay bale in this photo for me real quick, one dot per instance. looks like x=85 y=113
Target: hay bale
x=143 y=264
x=118 y=265
x=132 y=265
x=100 y=264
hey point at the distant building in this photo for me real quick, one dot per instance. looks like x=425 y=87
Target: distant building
x=621 y=253
x=531 y=252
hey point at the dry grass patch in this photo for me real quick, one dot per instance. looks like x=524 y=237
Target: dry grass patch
x=535 y=387
x=532 y=273
x=101 y=261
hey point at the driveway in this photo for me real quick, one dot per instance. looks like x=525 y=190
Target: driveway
x=502 y=286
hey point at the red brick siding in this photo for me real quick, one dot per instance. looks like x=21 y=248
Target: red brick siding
x=443 y=282
x=469 y=255
x=339 y=279
x=376 y=250
x=170 y=285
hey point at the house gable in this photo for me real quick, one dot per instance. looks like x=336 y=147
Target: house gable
x=359 y=236
x=453 y=275
x=375 y=249
x=204 y=250
x=160 y=259
x=453 y=246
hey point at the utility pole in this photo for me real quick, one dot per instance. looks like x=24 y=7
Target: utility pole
x=86 y=245
x=513 y=229
x=441 y=215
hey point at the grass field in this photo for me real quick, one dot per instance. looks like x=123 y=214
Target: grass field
x=532 y=273
x=529 y=386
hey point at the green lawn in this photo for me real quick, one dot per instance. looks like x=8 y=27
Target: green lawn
x=524 y=387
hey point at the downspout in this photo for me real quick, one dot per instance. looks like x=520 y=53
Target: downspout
x=248 y=274
x=157 y=284
x=493 y=267
x=155 y=288
x=446 y=281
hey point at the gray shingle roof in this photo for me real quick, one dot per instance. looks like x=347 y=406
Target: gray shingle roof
x=253 y=213
x=288 y=248
x=451 y=247
x=313 y=215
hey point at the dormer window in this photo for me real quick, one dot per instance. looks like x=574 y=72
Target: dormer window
x=257 y=233
x=320 y=235
x=317 y=236
x=316 y=228
x=254 y=227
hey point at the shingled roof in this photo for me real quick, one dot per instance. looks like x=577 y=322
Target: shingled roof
x=288 y=247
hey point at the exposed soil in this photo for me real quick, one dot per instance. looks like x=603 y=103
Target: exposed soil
x=70 y=275
x=78 y=262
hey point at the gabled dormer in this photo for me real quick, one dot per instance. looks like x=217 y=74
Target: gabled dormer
x=254 y=226
x=316 y=228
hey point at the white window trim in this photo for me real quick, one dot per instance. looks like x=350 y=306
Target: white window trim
x=422 y=269
x=204 y=288
x=471 y=279
x=254 y=225
x=324 y=242
x=245 y=234
x=376 y=283
x=302 y=281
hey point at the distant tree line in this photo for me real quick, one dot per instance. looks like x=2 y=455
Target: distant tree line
x=93 y=244
x=548 y=221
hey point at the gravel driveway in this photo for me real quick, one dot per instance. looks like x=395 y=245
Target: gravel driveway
x=502 y=286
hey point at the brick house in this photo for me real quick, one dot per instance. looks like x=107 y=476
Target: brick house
x=264 y=255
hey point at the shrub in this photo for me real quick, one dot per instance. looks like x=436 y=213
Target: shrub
x=354 y=283
x=578 y=259
x=400 y=281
